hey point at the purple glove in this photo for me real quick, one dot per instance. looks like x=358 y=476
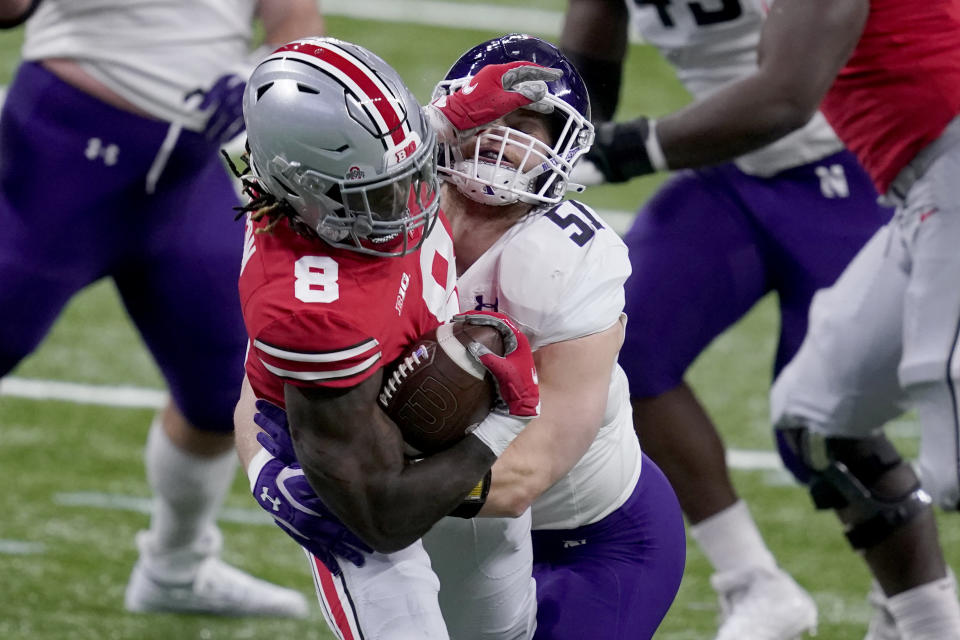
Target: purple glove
x=224 y=101
x=281 y=488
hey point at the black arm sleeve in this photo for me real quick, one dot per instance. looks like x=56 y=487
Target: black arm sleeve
x=603 y=79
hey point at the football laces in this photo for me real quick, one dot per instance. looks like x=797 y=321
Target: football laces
x=404 y=369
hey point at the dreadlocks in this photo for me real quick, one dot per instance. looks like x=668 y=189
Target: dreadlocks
x=263 y=204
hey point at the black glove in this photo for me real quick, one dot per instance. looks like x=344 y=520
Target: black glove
x=619 y=150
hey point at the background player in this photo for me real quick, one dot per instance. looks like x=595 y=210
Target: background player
x=358 y=264
x=129 y=121
x=886 y=332
x=608 y=543
x=785 y=218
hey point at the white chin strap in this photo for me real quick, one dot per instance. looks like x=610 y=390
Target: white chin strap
x=490 y=184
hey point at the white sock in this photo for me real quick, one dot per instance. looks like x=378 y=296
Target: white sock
x=928 y=612
x=188 y=491
x=731 y=541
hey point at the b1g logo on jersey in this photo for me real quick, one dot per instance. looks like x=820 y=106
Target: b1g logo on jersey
x=402 y=293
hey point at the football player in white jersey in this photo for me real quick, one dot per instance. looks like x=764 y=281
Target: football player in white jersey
x=126 y=104
x=608 y=543
x=787 y=217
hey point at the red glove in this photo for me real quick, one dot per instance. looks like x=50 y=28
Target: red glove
x=514 y=373
x=494 y=92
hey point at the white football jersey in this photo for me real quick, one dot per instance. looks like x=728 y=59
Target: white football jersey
x=151 y=52
x=559 y=274
x=714 y=42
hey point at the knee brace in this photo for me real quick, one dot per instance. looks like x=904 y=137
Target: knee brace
x=865 y=479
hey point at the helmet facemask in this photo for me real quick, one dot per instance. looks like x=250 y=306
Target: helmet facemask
x=387 y=216
x=492 y=181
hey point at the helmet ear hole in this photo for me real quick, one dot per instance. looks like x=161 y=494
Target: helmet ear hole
x=262 y=89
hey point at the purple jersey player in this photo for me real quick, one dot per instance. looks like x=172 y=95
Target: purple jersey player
x=127 y=122
x=786 y=218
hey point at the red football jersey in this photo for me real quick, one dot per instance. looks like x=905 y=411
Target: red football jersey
x=901 y=86
x=317 y=315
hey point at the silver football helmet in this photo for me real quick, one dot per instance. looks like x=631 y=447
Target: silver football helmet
x=334 y=132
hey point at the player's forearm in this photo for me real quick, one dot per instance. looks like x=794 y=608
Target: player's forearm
x=522 y=473
x=287 y=20
x=596 y=27
x=802 y=47
x=390 y=504
x=574 y=386
x=244 y=428
x=547 y=450
x=594 y=38
x=736 y=120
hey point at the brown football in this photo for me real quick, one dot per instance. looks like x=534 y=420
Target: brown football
x=436 y=390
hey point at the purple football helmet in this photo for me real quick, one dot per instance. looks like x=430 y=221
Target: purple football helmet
x=493 y=181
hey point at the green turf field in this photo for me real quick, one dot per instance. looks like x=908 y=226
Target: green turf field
x=75 y=491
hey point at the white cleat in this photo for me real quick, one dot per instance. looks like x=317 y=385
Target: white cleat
x=216 y=589
x=763 y=604
x=882 y=625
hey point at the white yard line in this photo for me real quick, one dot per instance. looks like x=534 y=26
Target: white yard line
x=143 y=398
x=103 y=395
x=120 y=502
x=20 y=547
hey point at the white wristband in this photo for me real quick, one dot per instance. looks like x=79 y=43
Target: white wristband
x=257 y=463
x=654 y=151
x=497 y=431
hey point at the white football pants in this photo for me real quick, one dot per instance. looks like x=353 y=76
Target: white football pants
x=885 y=336
x=487 y=591
x=391 y=597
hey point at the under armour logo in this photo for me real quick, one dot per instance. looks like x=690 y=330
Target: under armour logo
x=481 y=305
x=96 y=149
x=265 y=496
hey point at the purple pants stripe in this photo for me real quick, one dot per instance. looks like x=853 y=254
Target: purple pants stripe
x=74 y=208
x=614 y=579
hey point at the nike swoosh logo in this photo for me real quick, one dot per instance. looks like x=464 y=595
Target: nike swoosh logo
x=467 y=90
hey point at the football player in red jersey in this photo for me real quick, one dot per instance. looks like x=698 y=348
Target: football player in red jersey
x=885 y=335
x=347 y=261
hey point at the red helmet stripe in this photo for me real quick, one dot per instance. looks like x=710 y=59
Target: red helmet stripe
x=362 y=78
